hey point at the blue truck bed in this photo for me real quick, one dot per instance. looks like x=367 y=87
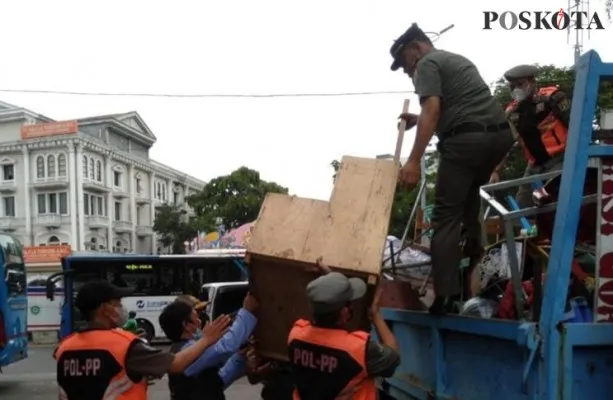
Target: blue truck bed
x=455 y=357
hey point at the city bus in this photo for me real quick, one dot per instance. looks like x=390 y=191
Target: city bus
x=13 y=302
x=156 y=280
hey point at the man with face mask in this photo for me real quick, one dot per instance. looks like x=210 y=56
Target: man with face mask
x=105 y=361
x=329 y=362
x=221 y=364
x=540 y=117
x=473 y=137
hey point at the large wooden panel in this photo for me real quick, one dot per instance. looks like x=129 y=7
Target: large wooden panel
x=281 y=289
x=348 y=232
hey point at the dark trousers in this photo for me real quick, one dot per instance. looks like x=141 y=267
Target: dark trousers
x=466 y=162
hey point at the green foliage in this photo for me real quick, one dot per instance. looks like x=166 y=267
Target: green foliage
x=173 y=227
x=233 y=199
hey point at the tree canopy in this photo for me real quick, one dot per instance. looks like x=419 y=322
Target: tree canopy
x=173 y=227
x=233 y=199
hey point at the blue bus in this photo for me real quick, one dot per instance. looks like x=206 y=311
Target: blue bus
x=13 y=302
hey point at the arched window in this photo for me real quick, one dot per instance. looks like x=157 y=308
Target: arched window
x=92 y=172
x=61 y=165
x=53 y=241
x=98 y=171
x=40 y=167
x=51 y=166
x=85 y=165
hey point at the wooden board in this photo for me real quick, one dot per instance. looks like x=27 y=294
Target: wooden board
x=280 y=287
x=348 y=232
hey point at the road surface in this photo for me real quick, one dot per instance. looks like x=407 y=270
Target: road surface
x=34 y=379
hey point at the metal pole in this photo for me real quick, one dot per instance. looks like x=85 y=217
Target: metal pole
x=413 y=211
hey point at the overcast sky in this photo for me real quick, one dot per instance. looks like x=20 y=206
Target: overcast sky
x=247 y=46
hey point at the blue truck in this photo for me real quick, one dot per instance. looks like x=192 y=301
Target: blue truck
x=13 y=302
x=455 y=357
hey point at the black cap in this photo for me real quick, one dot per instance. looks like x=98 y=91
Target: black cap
x=413 y=33
x=93 y=294
x=173 y=316
x=521 y=72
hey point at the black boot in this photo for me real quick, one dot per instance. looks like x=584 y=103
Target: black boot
x=443 y=305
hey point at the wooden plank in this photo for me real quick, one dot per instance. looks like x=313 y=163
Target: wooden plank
x=402 y=127
x=283 y=226
x=360 y=209
x=348 y=232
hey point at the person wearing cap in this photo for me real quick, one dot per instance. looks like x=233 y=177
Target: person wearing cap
x=198 y=305
x=105 y=361
x=540 y=116
x=219 y=365
x=473 y=137
x=328 y=361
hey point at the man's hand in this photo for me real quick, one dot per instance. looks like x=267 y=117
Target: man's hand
x=375 y=306
x=250 y=303
x=411 y=120
x=410 y=174
x=213 y=331
x=319 y=267
x=495 y=177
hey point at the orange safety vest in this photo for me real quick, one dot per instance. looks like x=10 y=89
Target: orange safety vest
x=554 y=133
x=329 y=363
x=91 y=365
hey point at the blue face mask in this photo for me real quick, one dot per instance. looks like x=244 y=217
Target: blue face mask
x=197 y=334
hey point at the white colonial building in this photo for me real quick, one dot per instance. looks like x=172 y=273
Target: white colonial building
x=87 y=183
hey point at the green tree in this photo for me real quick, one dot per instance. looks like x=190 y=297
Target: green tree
x=233 y=199
x=405 y=199
x=563 y=77
x=173 y=227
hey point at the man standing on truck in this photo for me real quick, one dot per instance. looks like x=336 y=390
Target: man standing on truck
x=540 y=117
x=328 y=361
x=106 y=361
x=473 y=137
x=218 y=366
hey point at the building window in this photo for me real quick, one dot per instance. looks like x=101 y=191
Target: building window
x=40 y=167
x=8 y=172
x=117 y=211
x=94 y=205
x=175 y=197
x=61 y=165
x=9 y=206
x=53 y=241
x=158 y=191
x=86 y=204
x=98 y=171
x=63 y=203
x=51 y=166
x=138 y=186
x=117 y=179
x=92 y=172
x=85 y=167
x=53 y=203
x=163 y=192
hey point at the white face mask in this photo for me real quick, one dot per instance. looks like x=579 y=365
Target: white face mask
x=519 y=94
x=122 y=315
